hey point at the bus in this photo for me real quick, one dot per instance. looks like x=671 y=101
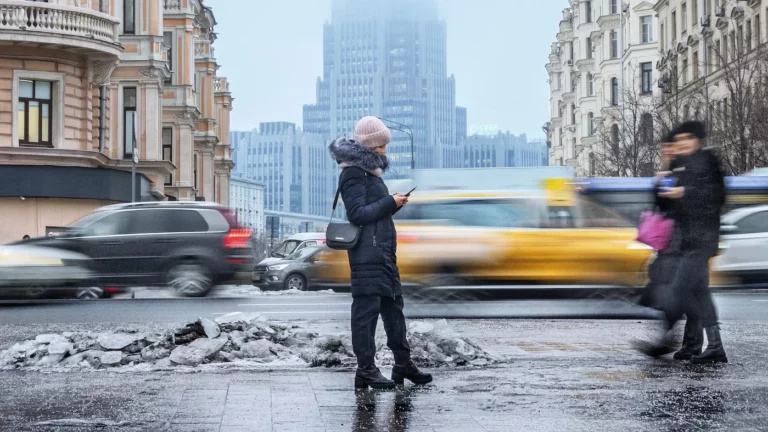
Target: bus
x=632 y=196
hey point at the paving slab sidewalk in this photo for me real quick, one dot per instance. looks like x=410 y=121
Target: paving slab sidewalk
x=564 y=376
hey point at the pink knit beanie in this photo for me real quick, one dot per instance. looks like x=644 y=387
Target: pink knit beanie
x=372 y=132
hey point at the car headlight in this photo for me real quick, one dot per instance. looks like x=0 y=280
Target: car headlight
x=278 y=267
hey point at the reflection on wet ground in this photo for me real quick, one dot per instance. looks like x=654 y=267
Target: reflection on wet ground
x=377 y=411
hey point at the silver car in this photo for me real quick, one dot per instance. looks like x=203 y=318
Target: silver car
x=291 y=272
x=34 y=270
x=744 y=245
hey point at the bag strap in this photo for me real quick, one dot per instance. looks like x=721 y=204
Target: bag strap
x=338 y=193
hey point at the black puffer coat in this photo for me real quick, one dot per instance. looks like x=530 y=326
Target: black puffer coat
x=369 y=205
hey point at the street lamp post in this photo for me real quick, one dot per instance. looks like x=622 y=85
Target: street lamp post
x=407 y=129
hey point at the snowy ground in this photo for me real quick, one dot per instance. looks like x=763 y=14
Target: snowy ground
x=228 y=291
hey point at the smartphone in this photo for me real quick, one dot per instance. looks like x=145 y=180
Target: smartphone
x=409 y=192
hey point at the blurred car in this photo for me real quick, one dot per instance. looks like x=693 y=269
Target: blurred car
x=495 y=239
x=188 y=246
x=744 y=247
x=292 y=272
x=298 y=242
x=34 y=272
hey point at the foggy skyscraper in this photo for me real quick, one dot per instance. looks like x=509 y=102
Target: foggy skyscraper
x=388 y=58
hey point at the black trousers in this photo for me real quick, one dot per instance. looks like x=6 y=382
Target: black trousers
x=365 y=318
x=690 y=293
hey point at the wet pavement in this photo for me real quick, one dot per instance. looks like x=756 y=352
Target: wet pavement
x=563 y=375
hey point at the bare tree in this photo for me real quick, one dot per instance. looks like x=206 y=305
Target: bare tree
x=626 y=144
x=739 y=104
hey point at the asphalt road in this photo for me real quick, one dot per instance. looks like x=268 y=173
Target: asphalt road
x=732 y=306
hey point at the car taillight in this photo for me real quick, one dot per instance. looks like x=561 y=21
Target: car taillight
x=237 y=238
x=406 y=238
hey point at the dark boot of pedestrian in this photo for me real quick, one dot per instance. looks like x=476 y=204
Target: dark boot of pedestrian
x=411 y=372
x=693 y=341
x=370 y=376
x=715 y=353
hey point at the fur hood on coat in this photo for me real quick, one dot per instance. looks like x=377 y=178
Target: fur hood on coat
x=349 y=153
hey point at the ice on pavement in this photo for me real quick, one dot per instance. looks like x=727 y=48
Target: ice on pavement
x=235 y=340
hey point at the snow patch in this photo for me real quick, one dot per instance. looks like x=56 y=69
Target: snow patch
x=235 y=340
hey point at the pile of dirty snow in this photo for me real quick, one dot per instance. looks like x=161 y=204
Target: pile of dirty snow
x=236 y=339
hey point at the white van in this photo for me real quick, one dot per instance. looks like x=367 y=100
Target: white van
x=298 y=242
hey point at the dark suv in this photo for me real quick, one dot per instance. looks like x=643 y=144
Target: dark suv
x=189 y=246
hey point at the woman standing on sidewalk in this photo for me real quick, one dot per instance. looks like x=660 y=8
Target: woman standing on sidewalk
x=375 y=278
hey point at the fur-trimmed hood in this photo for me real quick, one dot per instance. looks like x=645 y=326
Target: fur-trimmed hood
x=347 y=152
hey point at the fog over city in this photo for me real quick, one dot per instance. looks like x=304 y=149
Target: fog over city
x=271 y=50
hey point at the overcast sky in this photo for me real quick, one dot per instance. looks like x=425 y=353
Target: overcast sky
x=271 y=51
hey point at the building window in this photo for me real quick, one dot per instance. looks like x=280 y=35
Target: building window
x=589 y=47
x=614 y=7
x=646 y=128
x=168 y=42
x=129 y=121
x=591 y=124
x=34 y=113
x=674 y=27
x=615 y=138
x=194 y=173
x=695 y=66
x=573 y=113
x=590 y=84
x=684 y=18
x=646 y=76
x=614 y=45
x=168 y=151
x=695 y=14
x=646 y=23
x=588 y=11
x=661 y=35
x=758 y=31
x=129 y=16
x=614 y=91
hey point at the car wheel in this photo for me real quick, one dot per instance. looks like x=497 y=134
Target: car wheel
x=89 y=293
x=190 y=279
x=296 y=281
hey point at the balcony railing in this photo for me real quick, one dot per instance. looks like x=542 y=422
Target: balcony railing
x=57 y=20
x=220 y=84
x=172 y=5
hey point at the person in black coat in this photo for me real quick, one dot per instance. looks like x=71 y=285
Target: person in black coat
x=658 y=293
x=699 y=197
x=376 y=288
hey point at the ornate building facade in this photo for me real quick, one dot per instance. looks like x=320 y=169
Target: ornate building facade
x=89 y=86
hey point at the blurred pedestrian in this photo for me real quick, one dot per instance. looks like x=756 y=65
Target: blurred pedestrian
x=376 y=286
x=697 y=197
x=658 y=293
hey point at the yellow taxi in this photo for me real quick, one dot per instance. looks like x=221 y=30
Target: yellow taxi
x=544 y=237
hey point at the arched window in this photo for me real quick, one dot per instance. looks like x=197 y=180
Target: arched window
x=614 y=91
x=591 y=124
x=615 y=137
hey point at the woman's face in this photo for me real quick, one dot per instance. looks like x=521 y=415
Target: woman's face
x=381 y=150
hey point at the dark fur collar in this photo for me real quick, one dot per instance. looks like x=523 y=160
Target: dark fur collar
x=347 y=152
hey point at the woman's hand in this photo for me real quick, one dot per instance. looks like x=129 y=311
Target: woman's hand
x=400 y=199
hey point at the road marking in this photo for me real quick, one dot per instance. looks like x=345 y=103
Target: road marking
x=307 y=312
x=760 y=300
x=294 y=304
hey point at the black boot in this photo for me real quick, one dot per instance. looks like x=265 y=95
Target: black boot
x=693 y=340
x=370 y=376
x=410 y=372
x=715 y=353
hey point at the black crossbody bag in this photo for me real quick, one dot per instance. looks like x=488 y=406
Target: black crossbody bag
x=342 y=235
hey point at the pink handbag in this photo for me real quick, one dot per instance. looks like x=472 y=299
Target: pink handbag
x=655 y=230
